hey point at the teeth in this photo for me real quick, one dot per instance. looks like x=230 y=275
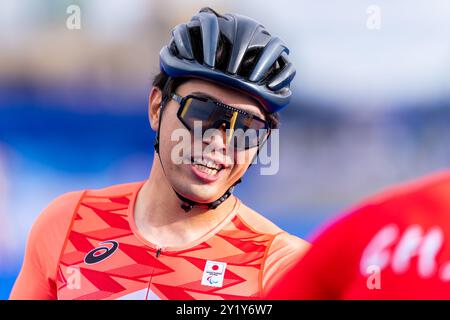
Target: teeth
x=206 y=170
x=210 y=164
x=213 y=165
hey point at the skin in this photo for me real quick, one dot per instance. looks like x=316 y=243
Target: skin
x=158 y=215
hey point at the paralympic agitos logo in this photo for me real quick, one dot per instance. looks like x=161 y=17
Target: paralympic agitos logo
x=101 y=253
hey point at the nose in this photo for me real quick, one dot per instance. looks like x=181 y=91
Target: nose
x=227 y=123
x=217 y=138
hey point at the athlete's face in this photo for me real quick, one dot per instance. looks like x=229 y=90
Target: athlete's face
x=222 y=166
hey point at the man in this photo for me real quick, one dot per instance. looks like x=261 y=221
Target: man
x=394 y=246
x=181 y=234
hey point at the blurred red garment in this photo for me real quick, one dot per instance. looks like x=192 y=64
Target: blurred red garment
x=393 y=246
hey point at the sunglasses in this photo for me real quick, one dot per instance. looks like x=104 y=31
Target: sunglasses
x=244 y=130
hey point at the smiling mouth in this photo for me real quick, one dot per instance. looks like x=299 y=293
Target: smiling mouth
x=206 y=166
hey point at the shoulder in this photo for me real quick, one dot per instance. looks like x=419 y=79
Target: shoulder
x=48 y=235
x=52 y=225
x=116 y=190
x=283 y=250
x=65 y=204
x=260 y=224
x=57 y=215
x=256 y=221
x=37 y=278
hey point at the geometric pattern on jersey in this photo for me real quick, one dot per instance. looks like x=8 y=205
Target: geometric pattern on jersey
x=134 y=271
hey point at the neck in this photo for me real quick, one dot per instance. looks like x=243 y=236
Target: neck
x=160 y=218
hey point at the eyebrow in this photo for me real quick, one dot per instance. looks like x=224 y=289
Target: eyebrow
x=208 y=96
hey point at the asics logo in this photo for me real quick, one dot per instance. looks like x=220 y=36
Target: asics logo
x=101 y=253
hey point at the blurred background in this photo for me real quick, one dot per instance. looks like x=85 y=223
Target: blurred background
x=371 y=103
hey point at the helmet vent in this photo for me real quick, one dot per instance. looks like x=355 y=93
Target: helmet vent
x=173 y=48
x=197 y=43
x=274 y=69
x=249 y=61
x=223 y=53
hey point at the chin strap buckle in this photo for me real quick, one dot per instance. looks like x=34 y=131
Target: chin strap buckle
x=187 y=206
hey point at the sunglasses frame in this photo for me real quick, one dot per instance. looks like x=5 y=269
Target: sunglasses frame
x=182 y=101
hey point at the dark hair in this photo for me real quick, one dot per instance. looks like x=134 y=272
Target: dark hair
x=168 y=85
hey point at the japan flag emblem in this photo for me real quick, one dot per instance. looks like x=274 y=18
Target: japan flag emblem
x=214 y=273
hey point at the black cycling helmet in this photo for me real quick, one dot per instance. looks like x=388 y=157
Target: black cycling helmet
x=192 y=53
x=268 y=81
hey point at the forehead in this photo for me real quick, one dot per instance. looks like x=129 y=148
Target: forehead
x=223 y=94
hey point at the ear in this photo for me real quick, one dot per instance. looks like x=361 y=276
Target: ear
x=154 y=107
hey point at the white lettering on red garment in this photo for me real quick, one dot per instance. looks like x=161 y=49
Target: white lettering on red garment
x=412 y=243
x=428 y=251
x=407 y=248
x=376 y=252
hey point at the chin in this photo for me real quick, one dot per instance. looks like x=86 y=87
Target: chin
x=199 y=194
